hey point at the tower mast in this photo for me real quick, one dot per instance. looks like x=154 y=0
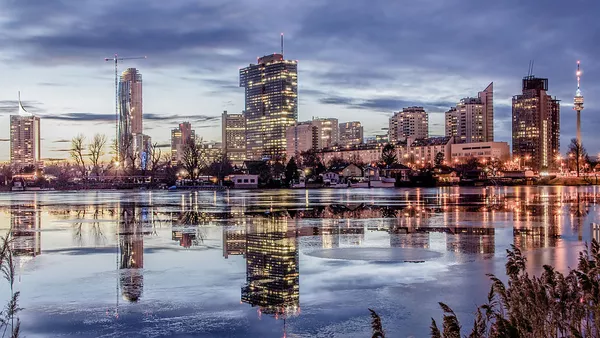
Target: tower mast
x=578 y=103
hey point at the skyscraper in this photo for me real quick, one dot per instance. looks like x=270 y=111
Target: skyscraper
x=234 y=137
x=535 y=125
x=24 y=139
x=271 y=100
x=130 y=111
x=472 y=118
x=411 y=121
x=351 y=133
x=179 y=137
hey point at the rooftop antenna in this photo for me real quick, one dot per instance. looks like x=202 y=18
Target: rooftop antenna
x=529 y=69
x=281 y=44
x=532 y=63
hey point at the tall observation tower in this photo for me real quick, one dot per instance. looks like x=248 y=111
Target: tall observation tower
x=578 y=104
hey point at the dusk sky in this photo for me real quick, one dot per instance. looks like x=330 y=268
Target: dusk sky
x=357 y=60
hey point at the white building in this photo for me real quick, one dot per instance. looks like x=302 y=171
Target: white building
x=25 y=147
x=327 y=131
x=480 y=150
x=472 y=118
x=410 y=122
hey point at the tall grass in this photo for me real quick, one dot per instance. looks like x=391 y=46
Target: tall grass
x=551 y=305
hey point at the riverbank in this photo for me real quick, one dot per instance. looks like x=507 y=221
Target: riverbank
x=568 y=181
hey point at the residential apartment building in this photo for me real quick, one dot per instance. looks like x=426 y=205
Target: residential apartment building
x=25 y=146
x=472 y=120
x=301 y=137
x=410 y=122
x=233 y=137
x=350 y=134
x=179 y=138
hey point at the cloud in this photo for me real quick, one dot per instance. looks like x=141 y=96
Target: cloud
x=4 y=140
x=385 y=104
x=51 y=84
x=12 y=106
x=62 y=141
x=150 y=117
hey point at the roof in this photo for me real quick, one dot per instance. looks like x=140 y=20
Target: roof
x=395 y=166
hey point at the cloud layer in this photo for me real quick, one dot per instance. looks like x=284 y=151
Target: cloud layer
x=355 y=58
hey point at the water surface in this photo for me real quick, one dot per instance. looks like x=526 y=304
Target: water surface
x=294 y=263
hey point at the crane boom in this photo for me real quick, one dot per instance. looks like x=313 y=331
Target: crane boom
x=116 y=58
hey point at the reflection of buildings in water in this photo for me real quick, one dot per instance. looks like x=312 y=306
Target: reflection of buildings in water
x=131 y=248
x=234 y=241
x=472 y=240
x=26 y=225
x=538 y=226
x=272 y=272
x=186 y=237
x=595 y=228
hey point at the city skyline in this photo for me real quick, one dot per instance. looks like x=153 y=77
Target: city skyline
x=193 y=75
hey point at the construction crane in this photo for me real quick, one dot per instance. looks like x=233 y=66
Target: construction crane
x=116 y=60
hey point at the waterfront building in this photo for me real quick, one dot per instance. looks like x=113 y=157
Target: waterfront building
x=535 y=125
x=271 y=105
x=130 y=111
x=233 y=137
x=25 y=146
x=461 y=152
x=301 y=137
x=472 y=120
x=422 y=152
x=363 y=153
x=350 y=134
x=410 y=122
x=179 y=138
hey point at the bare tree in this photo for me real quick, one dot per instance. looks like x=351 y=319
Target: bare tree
x=77 y=153
x=155 y=160
x=579 y=155
x=96 y=151
x=130 y=155
x=191 y=157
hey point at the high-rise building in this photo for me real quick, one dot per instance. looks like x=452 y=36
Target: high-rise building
x=301 y=137
x=411 y=121
x=25 y=147
x=472 y=118
x=351 y=133
x=233 y=139
x=327 y=129
x=130 y=111
x=535 y=125
x=271 y=100
x=179 y=137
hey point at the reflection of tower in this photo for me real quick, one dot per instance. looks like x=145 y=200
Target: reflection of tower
x=537 y=227
x=272 y=273
x=595 y=227
x=472 y=240
x=26 y=223
x=131 y=259
x=234 y=242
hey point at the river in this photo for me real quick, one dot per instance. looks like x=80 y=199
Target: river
x=275 y=263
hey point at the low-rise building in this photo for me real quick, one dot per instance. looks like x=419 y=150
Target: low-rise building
x=480 y=150
x=244 y=181
x=364 y=153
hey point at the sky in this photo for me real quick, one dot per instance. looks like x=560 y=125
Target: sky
x=357 y=60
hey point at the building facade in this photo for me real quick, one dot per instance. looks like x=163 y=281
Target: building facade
x=130 y=111
x=461 y=152
x=350 y=134
x=271 y=101
x=301 y=137
x=364 y=153
x=328 y=133
x=233 y=137
x=179 y=138
x=472 y=120
x=535 y=125
x=410 y=122
x=25 y=146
